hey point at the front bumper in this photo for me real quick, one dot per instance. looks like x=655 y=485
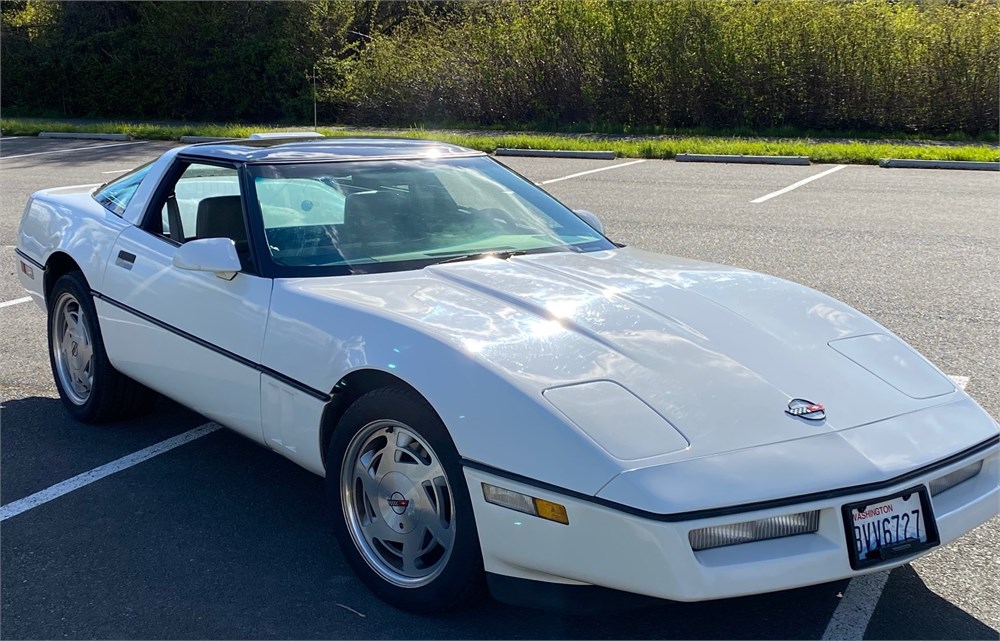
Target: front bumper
x=606 y=547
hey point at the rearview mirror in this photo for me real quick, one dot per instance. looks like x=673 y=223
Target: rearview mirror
x=591 y=219
x=216 y=255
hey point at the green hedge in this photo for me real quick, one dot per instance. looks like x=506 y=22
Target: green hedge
x=867 y=64
x=895 y=66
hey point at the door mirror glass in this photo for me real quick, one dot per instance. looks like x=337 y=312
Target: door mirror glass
x=591 y=219
x=216 y=255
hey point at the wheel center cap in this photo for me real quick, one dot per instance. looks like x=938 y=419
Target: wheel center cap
x=398 y=503
x=396 y=499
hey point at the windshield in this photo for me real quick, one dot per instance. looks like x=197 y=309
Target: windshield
x=388 y=215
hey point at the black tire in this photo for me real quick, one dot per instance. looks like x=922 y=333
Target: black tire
x=458 y=575
x=112 y=395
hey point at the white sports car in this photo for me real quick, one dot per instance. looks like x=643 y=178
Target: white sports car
x=496 y=393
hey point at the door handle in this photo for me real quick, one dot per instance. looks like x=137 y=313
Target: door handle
x=125 y=259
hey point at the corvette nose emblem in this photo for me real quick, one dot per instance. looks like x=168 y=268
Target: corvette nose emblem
x=806 y=409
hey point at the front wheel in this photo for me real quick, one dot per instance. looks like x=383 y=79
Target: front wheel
x=400 y=506
x=91 y=389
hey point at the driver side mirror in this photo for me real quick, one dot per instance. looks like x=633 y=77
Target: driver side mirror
x=591 y=219
x=216 y=255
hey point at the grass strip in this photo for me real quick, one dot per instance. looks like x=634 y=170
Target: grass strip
x=819 y=151
x=784 y=131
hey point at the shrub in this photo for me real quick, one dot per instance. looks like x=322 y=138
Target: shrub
x=822 y=64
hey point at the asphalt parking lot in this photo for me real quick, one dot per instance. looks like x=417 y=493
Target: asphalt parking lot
x=219 y=538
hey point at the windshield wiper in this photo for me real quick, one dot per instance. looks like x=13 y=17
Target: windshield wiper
x=476 y=256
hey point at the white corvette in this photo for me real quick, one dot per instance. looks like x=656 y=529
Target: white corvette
x=496 y=393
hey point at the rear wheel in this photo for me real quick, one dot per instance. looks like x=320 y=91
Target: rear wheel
x=91 y=389
x=401 y=510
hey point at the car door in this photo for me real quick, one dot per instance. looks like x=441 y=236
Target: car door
x=191 y=335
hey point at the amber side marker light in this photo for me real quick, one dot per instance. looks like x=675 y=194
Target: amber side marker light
x=525 y=504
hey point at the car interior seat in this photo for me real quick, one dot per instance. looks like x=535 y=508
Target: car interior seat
x=222 y=217
x=376 y=217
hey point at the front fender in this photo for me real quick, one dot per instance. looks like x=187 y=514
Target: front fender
x=492 y=419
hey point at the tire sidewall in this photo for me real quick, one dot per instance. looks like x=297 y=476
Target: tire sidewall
x=461 y=576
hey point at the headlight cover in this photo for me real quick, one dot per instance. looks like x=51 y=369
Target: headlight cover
x=772 y=527
x=618 y=420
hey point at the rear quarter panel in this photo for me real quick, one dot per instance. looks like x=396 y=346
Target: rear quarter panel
x=70 y=221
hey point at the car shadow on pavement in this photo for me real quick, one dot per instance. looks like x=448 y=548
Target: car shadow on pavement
x=793 y=614
x=909 y=609
x=40 y=444
x=239 y=539
x=221 y=538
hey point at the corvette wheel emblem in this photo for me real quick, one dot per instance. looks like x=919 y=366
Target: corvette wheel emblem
x=398 y=503
x=806 y=409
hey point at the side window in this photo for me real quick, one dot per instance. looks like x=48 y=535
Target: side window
x=204 y=203
x=115 y=195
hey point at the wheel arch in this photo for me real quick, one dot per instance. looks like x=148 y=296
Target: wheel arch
x=59 y=264
x=350 y=388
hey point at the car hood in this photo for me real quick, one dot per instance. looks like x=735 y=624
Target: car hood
x=712 y=355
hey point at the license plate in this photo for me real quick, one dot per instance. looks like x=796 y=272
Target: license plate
x=892 y=526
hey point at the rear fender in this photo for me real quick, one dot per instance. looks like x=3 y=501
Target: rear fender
x=68 y=221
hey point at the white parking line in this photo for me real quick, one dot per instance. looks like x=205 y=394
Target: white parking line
x=798 y=184
x=60 y=151
x=591 y=171
x=850 y=619
x=81 y=480
x=16 y=301
x=115 y=171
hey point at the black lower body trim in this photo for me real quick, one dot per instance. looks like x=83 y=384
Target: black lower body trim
x=29 y=259
x=278 y=376
x=563 y=598
x=737 y=509
x=291 y=382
